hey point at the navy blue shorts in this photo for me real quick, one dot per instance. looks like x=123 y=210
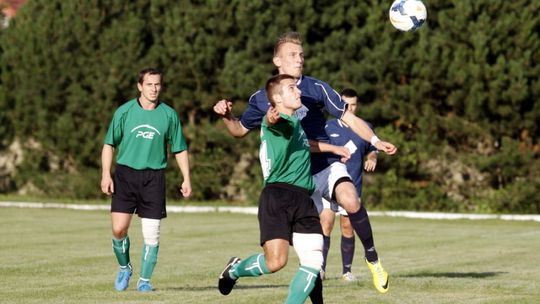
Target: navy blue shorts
x=139 y=191
x=284 y=209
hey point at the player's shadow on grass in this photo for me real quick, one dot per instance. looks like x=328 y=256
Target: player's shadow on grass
x=236 y=287
x=474 y=275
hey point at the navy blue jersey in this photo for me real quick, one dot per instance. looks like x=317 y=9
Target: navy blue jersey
x=316 y=96
x=342 y=135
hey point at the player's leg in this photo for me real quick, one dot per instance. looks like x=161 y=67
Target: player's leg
x=151 y=209
x=345 y=194
x=327 y=217
x=343 y=191
x=347 y=246
x=122 y=207
x=274 y=226
x=275 y=257
x=120 y=225
x=307 y=242
x=334 y=184
x=308 y=248
x=120 y=244
x=149 y=254
x=276 y=253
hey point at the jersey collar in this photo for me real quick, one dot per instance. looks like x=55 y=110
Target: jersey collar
x=299 y=80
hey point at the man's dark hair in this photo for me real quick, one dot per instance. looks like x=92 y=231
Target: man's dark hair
x=348 y=92
x=273 y=85
x=150 y=71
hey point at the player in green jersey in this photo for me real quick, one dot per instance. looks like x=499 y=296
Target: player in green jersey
x=287 y=215
x=139 y=133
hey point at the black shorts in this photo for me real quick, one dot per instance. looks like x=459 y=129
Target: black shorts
x=284 y=209
x=139 y=191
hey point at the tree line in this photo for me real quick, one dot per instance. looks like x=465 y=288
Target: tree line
x=458 y=97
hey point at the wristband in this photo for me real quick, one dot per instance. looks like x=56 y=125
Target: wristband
x=374 y=140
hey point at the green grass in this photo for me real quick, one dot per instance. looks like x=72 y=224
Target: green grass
x=65 y=256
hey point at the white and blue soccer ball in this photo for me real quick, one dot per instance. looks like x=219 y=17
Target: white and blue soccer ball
x=407 y=15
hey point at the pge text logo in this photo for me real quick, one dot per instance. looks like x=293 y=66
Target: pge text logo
x=146 y=134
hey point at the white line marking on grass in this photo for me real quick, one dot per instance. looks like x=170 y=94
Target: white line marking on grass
x=457 y=216
x=253 y=210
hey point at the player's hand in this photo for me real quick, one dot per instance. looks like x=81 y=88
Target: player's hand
x=107 y=185
x=344 y=152
x=272 y=116
x=185 y=189
x=386 y=147
x=370 y=164
x=223 y=108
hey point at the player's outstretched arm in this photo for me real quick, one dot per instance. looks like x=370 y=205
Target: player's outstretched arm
x=320 y=147
x=107 y=184
x=386 y=147
x=363 y=130
x=182 y=159
x=224 y=109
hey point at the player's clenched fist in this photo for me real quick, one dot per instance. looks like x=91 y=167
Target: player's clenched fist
x=223 y=107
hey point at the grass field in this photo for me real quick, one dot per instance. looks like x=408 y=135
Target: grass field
x=65 y=256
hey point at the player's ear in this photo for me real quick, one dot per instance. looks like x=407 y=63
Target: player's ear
x=139 y=86
x=277 y=98
x=277 y=61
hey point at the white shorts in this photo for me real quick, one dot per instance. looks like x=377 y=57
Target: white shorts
x=333 y=205
x=325 y=182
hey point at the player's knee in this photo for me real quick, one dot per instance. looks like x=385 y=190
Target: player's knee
x=347 y=197
x=327 y=221
x=346 y=227
x=150 y=231
x=276 y=263
x=309 y=249
x=119 y=232
x=349 y=203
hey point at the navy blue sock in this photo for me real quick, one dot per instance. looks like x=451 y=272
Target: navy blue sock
x=326 y=248
x=347 y=252
x=362 y=227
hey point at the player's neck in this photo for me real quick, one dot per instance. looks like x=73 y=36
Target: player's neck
x=284 y=110
x=147 y=104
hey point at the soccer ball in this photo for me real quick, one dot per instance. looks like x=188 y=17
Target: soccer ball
x=407 y=15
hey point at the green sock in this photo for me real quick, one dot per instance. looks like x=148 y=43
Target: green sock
x=149 y=257
x=301 y=285
x=253 y=266
x=121 y=250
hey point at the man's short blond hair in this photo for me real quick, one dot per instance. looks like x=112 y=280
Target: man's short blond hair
x=292 y=37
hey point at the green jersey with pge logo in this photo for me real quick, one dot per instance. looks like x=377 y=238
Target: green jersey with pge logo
x=141 y=136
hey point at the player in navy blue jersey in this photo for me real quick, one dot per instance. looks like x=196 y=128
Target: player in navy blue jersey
x=341 y=135
x=331 y=177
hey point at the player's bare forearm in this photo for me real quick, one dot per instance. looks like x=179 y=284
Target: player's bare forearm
x=224 y=109
x=234 y=127
x=182 y=159
x=363 y=130
x=107 y=154
x=321 y=147
x=358 y=125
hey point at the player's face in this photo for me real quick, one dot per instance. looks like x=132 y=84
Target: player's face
x=352 y=102
x=290 y=59
x=290 y=95
x=150 y=88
